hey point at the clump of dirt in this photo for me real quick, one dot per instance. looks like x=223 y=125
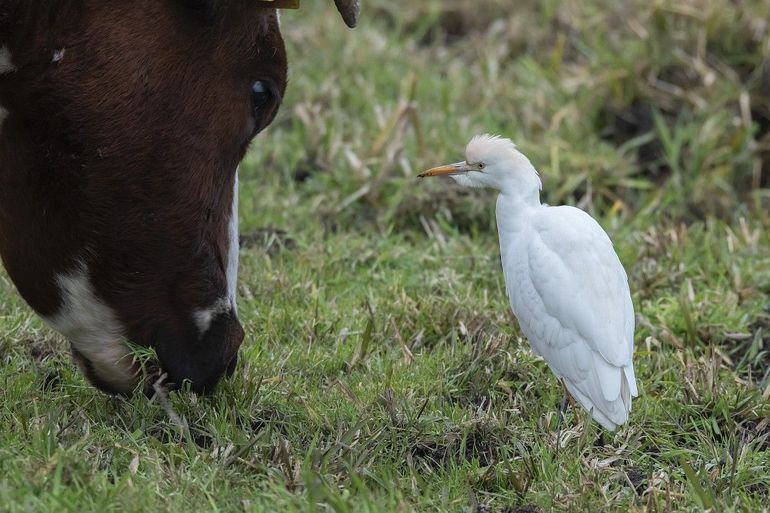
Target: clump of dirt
x=266 y=417
x=761 y=489
x=481 y=441
x=638 y=479
x=752 y=429
x=42 y=350
x=433 y=453
x=51 y=380
x=752 y=355
x=304 y=171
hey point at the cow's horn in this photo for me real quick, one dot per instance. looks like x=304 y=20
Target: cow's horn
x=349 y=10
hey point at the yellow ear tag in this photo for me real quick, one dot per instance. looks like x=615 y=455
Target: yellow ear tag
x=283 y=4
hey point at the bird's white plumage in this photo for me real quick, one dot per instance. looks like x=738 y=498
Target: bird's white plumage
x=570 y=294
x=564 y=281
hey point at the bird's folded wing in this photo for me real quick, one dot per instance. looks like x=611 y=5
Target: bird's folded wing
x=581 y=282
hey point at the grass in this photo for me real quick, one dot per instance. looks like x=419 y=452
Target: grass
x=382 y=369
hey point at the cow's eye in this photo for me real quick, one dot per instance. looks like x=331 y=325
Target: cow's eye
x=265 y=98
x=260 y=93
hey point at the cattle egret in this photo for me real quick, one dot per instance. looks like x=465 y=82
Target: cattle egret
x=564 y=281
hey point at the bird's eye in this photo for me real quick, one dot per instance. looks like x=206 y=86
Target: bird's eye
x=481 y=165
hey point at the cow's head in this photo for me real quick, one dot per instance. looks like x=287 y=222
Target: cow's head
x=121 y=128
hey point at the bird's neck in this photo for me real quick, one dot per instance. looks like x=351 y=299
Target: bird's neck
x=521 y=186
x=515 y=206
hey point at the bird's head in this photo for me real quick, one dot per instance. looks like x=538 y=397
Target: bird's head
x=491 y=161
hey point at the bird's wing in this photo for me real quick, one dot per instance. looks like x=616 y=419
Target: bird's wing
x=575 y=307
x=582 y=283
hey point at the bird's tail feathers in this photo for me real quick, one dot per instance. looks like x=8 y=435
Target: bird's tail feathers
x=610 y=414
x=630 y=376
x=598 y=415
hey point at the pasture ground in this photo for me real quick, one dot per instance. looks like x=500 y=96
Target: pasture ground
x=383 y=370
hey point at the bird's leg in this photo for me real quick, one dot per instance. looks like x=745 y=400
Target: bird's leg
x=562 y=410
x=563 y=407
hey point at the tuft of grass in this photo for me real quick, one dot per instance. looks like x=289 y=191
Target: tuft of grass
x=382 y=369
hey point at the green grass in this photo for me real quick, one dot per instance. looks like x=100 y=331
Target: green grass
x=382 y=369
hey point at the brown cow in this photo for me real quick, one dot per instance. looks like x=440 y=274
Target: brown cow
x=122 y=124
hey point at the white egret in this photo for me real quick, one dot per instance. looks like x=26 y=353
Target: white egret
x=565 y=284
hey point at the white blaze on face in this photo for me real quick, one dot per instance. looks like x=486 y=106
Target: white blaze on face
x=205 y=316
x=232 y=256
x=6 y=64
x=94 y=331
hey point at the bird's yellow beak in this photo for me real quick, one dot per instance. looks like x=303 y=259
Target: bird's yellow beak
x=451 y=169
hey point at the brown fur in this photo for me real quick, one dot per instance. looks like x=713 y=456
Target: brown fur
x=123 y=155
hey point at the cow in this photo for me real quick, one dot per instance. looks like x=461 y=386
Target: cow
x=122 y=124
